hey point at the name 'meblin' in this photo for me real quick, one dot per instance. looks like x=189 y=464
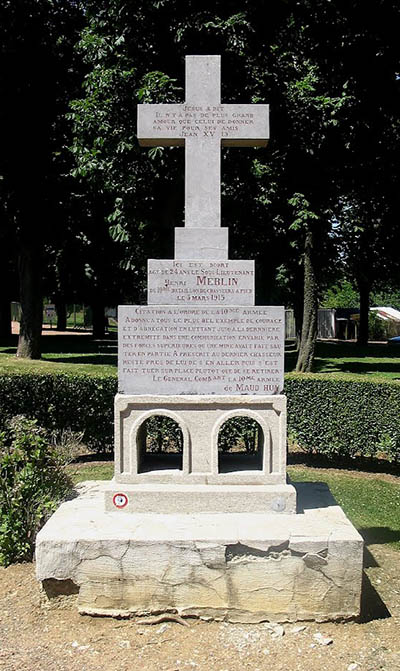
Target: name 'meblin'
x=203 y=280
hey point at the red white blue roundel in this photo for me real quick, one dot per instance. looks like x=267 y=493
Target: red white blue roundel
x=120 y=500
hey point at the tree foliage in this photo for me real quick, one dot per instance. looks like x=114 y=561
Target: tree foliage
x=327 y=69
x=327 y=182
x=38 y=74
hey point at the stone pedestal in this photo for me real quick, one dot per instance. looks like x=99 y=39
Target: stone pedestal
x=200 y=418
x=245 y=567
x=195 y=530
x=205 y=481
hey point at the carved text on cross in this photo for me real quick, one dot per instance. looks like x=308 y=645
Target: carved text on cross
x=202 y=124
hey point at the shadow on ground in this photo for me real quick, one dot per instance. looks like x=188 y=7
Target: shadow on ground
x=368 y=465
x=93 y=458
x=372 y=606
x=96 y=359
x=379 y=535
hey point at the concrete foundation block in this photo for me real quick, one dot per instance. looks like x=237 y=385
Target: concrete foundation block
x=241 y=567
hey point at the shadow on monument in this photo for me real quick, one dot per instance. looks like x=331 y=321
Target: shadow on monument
x=160 y=445
x=240 y=445
x=55 y=588
x=306 y=496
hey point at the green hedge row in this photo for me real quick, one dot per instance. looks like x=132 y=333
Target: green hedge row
x=81 y=403
x=341 y=416
x=326 y=414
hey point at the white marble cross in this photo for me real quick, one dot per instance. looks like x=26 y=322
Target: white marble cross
x=202 y=124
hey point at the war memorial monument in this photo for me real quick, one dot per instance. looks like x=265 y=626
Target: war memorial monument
x=196 y=533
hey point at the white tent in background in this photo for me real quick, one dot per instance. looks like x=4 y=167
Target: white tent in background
x=387 y=314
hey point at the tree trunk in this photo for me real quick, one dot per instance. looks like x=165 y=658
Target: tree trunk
x=8 y=289
x=98 y=319
x=310 y=311
x=61 y=310
x=298 y=310
x=364 y=289
x=5 y=316
x=31 y=299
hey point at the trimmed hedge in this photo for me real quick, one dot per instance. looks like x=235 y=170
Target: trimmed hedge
x=343 y=416
x=331 y=415
x=81 y=403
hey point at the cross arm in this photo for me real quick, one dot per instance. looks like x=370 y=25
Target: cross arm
x=245 y=125
x=160 y=125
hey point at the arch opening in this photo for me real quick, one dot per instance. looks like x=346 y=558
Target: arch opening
x=240 y=445
x=159 y=444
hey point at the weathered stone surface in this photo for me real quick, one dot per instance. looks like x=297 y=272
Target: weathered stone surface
x=168 y=349
x=237 y=567
x=196 y=282
x=201 y=243
x=173 y=499
x=200 y=419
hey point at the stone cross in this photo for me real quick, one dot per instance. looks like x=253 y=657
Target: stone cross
x=202 y=124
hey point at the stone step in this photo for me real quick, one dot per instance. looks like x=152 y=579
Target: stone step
x=172 y=499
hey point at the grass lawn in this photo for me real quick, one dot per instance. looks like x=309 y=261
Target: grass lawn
x=371 y=502
x=377 y=361
x=87 y=471
x=75 y=353
x=79 y=353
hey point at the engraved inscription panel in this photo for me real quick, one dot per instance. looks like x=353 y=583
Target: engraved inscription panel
x=172 y=282
x=239 y=125
x=200 y=350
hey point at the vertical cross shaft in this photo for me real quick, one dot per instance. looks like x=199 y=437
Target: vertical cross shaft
x=203 y=154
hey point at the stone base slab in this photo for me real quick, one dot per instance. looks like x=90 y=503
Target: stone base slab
x=241 y=567
x=172 y=499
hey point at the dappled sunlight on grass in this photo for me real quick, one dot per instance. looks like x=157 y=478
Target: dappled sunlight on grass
x=79 y=353
x=380 y=361
x=64 y=354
